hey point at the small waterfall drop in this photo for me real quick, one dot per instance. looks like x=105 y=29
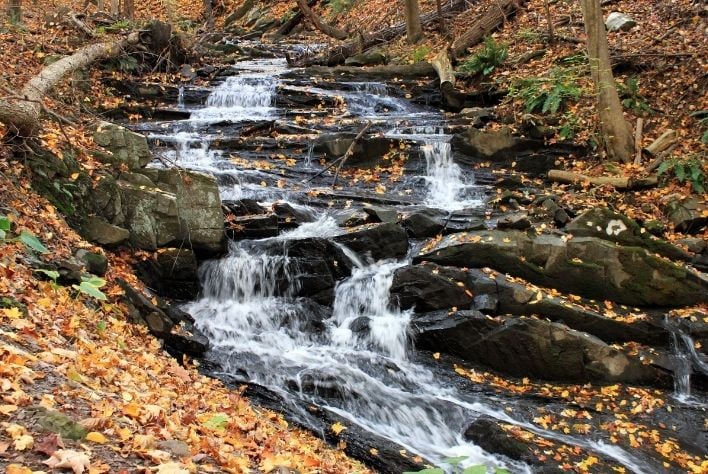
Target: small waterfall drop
x=444 y=177
x=241 y=97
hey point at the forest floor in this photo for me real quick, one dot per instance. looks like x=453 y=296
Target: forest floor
x=62 y=350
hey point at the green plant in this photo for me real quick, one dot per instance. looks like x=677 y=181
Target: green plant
x=493 y=54
x=546 y=94
x=458 y=469
x=420 y=53
x=91 y=286
x=528 y=35
x=27 y=238
x=702 y=117
x=568 y=126
x=687 y=169
x=339 y=6
x=632 y=99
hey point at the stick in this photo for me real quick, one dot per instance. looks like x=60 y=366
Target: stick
x=660 y=158
x=638 y=141
x=341 y=157
x=350 y=151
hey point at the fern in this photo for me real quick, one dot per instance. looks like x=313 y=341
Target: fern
x=492 y=55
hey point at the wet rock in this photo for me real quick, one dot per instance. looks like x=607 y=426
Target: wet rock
x=486 y=303
x=353 y=218
x=430 y=287
x=688 y=215
x=289 y=216
x=608 y=225
x=378 y=241
x=125 y=147
x=531 y=347
x=253 y=227
x=617 y=21
x=94 y=262
x=100 y=231
x=381 y=214
x=495 y=145
x=478 y=115
x=171 y=273
x=180 y=337
x=243 y=207
x=586 y=266
x=368 y=151
x=519 y=221
x=424 y=223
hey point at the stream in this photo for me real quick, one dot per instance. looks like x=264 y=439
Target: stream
x=354 y=359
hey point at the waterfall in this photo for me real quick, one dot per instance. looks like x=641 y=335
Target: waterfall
x=444 y=177
x=242 y=97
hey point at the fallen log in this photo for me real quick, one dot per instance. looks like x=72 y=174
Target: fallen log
x=421 y=69
x=21 y=112
x=443 y=67
x=618 y=182
x=491 y=19
x=325 y=28
x=338 y=54
x=294 y=20
x=239 y=12
x=662 y=143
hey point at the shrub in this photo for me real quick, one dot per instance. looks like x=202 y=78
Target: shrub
x=546 y=94
x=493 y=54
x=632 y=99
x=687 y=169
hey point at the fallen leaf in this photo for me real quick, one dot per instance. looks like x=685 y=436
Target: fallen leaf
x=69 y=459
x=23 y=442
x=338 y=428
x=96 y=437
x=49 y=444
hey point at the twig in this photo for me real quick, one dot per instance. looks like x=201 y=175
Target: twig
x=638 y=141
x=73 y=16
x=350 y=151
x=660 y=158
x=331 y=165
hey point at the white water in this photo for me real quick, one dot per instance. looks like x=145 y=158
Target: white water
x=686 y=360
x=361 y=357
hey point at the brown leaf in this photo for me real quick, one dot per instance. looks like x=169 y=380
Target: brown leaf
x=49 y=444
x=70 y=459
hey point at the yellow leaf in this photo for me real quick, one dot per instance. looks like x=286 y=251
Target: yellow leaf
x=12 y=313
x=338 y=428
x=96 y=437
x=436 y=356
x=18 y=469
x=132 y=410
x=374 y=451
x=7 y=409
x=24 y=442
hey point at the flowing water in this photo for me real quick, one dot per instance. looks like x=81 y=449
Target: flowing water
x=357 y=360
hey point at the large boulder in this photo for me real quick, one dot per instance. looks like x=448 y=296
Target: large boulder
x=525 y=347
x=378 y=241
x=150 y=214
x=102 y=232
x=125 y=147
x=171 y=272
x=689 y=215
x=367 y=152
x=605 y=224
x=430 y=287
x=586 y=266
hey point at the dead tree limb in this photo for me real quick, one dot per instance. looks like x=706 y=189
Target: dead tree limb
x=660 y=158
x=325 y=28
x=638 y=141
x=662 y=143
x=76 y=21
x=491 y=19
x=618 y=182
x=295 y=19
x=21 y=114
x=346 y=154
x=350 y=151
x=338 y=54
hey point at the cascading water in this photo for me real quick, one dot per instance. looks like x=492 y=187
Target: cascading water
x=686 y=361
x=356 y=361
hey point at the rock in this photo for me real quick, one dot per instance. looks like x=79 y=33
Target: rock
x=605 y=224
x=478 y=115
x=530 y=347
x=694 y=244
x=183 y=207
x=136 y=179
x=100 y=231
x=655 y=227
x=243 y=207
x=253 y=227
x=125 y=147
x=617 y=21
x=486 y=303
x=368 y=151
x=95 y=262
x=373 y=58
x=689 y=215
x=379 y=241
x=56 y=422
x=381 y=214
x=495 y=145
x=180 y=337
x=430 y=287
x=175 y=447
x=288 y=216
x=487 y=433
x=353 y=218
x=424 y=223
x=519 y=221
x=586 y=266
x=171 y=272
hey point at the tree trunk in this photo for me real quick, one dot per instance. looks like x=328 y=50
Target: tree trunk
x=209 y=15
x=616 y=132
x=414 y=30
x=15 y=11
x=338 y=54
x=441 y=19
x=115 y=7
x=129 y=9
x=325 y=28
x=491 y=19
x=21 y=113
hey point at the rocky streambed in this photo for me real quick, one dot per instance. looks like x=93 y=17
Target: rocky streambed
x=399 y=312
